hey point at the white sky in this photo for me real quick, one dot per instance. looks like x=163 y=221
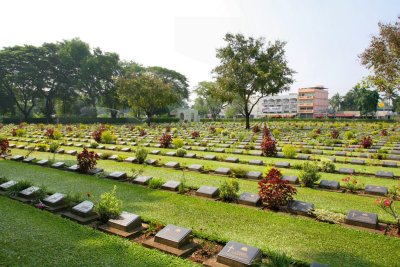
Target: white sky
x=324 y=36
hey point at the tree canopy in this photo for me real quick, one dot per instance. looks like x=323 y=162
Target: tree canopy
x=249 y=68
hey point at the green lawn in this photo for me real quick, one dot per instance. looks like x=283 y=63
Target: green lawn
x=302 y=238
x=337 y=202
x=31 y=237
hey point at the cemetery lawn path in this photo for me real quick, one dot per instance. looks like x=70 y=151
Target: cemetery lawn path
x=31 y=237
x=302 y=238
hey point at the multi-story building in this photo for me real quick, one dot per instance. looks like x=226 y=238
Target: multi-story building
x=312 y=102
x=280 y=105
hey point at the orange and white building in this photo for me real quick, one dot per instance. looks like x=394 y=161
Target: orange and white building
x=312 y=102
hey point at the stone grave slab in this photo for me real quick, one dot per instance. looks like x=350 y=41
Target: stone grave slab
x=155 y=152
x=256 y=162
x=101 y=147
x=303 y=157
x=142 y=179
x=376 y=190
x=113 y=157
x=82 y=213
x=223 y=171
x=151 y=161
x=237 y=254
x=126 y=225
x=20 y=146
x=42 y=162
x=6 y=185
x=363 y=155
x=55 y=202
x=73 y=168
x=389 y=164
x=219 y=150
x=190 y=155
x=357 y=161
x=393 y=157
x=171 y=185
x=126 y=149
x=196 y=167
x=232 y=160
x=111 y=148
x=346 y=171
x=173 y=240
x=362 y=219
x=130 y=159
x=29 y=192
x=171 y=153
x=328 y=184
x=253 y=175
x=317 y=152
x=384 y=174
x=94 y=171
x=210 y=157
x=249 y=199
x=256 y=153
x=58 y=165
x=71 y=152
x=291 y=179
x=300 y=207
x=117 y=175
x=207 y=191
x=282 y=164
x=172 y=165
x=17 y=158
x=316 y=264
x=340 y=153
x=28 y=160
x=202 y=149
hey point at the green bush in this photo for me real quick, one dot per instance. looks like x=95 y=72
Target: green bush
x=181 y=152
x=107 y=137
x=329 y=216
x=327 y=165
x=156 y=183
x=229 y=190
x=53 y=146
x=141 y=154
x=57 y=135
x=309 y=174
x=105 y=155
x=109 y=206
x=20 y=132
x=94 y=144
x=121 y=158
x=42 y=147
x=238 y=172
x=178 y=143
x=289 y=151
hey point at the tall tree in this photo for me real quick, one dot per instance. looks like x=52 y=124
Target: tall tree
x=382 y=57
x=97 y=73
x=207 y=95
x=334 y=103
x=146 y=91
x=250 y=67
x=21 y=76
x=366 y=100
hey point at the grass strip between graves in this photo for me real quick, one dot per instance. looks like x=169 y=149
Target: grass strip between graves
x=31 y=237
x=336 y=202
x=302 y=238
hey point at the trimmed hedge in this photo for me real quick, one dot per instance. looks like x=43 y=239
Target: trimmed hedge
x=73 y=120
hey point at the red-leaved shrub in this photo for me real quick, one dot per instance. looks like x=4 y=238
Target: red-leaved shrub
x=14 y=132
x=165 y=140
x=212 y=130
x=335 y=134
x=49 y=133
x=366 y=141
x=268 y=147
x=87 y=160
x=96 y=135
x=4 y=146
x=266 y=132
x=195 y=134
x=142 y=132
x=256 y=129
x=384 y=132
x=275 y=192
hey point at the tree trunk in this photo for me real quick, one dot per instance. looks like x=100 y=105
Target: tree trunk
x=148 y=121
x=214 y=117
x=113 y=113
x=247 y=121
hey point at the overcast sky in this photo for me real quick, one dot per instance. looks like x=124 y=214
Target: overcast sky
x=324 y=38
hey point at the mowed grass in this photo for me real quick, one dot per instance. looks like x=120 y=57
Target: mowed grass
x=302 y=238
x=332 y=201
x=31 y=237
